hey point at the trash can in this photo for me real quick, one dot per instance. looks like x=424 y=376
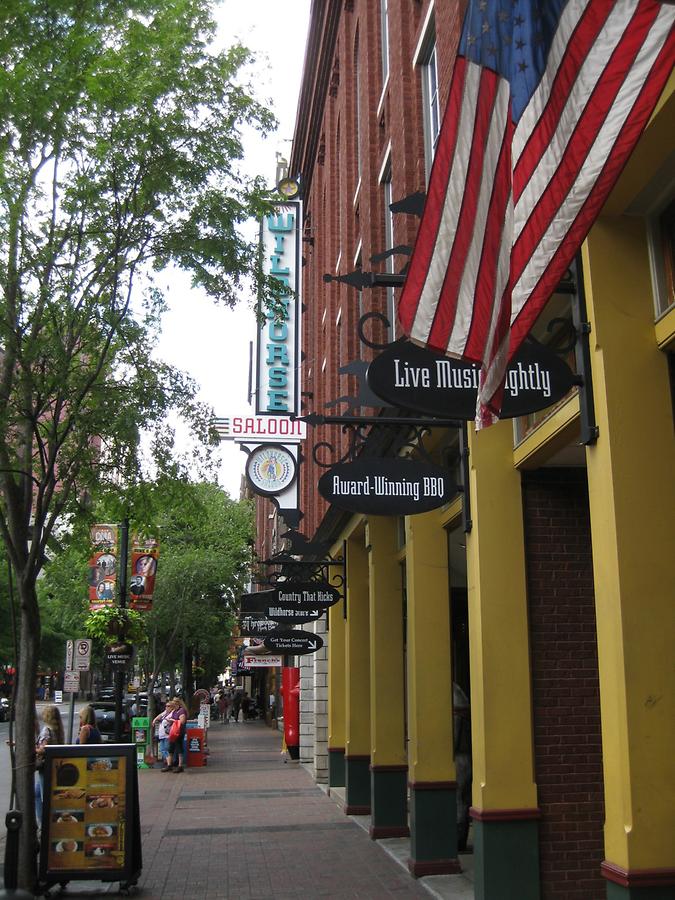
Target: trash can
x=196 y=755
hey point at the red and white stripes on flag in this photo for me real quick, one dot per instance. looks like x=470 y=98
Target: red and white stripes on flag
x=509 y=203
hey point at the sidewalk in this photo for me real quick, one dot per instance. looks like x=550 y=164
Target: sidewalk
x=253 y=825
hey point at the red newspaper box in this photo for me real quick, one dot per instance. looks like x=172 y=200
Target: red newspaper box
x=196 y=755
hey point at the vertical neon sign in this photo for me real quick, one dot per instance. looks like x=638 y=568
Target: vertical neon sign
x=279 y=337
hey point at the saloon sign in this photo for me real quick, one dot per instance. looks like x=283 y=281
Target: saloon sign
x=387 y=487
x=415 y=378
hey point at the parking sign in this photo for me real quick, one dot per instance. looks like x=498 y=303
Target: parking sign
x=82 y=654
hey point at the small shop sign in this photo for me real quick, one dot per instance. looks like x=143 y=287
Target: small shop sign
x=251 y=626
x=387 y=487
x=262 y=662
x=420 y=380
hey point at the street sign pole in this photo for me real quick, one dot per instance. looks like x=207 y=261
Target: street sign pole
x=120 y=671
x=70 y=645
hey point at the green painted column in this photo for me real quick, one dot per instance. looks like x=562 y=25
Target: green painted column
x=504 y=795
x=337 y=727
x=357 y=679
x=389 y=767
x=433 y=788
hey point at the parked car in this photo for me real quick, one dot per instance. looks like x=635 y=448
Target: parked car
x=105 y=721
x=106 y=693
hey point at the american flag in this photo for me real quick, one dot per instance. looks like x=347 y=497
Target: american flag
x=548 y=99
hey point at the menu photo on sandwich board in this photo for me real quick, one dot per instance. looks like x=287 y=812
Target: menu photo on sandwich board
x=90 y=820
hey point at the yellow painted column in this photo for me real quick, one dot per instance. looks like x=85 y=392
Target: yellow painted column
x=389 y=769
x=632 y=502
x=337 y=726
x=504 y=794
x=357 y=679
x=433 y=811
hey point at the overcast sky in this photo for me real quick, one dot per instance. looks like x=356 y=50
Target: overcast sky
x=209 y=342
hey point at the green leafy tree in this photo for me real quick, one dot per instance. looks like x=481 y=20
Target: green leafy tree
x=120 y=141
x=204 y=565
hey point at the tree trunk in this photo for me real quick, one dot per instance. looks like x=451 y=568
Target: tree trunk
x=29 y=647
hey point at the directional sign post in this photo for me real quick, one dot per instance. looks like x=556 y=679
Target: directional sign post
x=293 y=643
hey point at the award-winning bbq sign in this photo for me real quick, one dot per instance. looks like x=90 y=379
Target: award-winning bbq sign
x=414 y=378
x=387 y=487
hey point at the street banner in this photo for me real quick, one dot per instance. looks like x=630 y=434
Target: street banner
x=144 y=558
x=102 y=566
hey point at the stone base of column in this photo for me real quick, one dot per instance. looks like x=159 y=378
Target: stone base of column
x=638 y=884
x=389 y=802
x=506 y=853
x=336 y=767
x=433 y=828
x=357 y=785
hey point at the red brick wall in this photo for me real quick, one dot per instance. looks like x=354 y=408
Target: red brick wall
x=566 y=708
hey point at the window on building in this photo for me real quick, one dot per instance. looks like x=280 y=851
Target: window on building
x=554 y=328
x=357 y=111
x=387 y=199
x=662 y=253
x=384 y=17
x=426 y=59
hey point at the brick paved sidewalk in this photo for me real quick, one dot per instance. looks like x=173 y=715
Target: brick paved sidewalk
x=251 y=825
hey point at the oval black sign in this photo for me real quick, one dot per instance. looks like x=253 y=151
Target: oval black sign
x=291 y=594
x=387 y=487
x=418 y=379
x=306 y=595
x=294 y=642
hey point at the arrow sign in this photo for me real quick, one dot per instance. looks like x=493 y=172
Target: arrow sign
x=294 y=642
x=309 y=595
x=249 y=626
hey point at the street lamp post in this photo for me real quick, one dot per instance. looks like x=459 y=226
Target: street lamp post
x=120 y=671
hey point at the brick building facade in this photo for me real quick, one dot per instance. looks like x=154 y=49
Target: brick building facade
x=553 y=611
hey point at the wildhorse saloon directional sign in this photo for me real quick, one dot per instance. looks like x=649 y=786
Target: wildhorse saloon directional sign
x=415 y=378
x=387 y=487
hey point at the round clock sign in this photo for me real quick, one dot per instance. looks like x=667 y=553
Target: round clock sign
x=271 y=469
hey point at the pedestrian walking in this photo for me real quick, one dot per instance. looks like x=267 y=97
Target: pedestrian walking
x=179 y=714
x=236 y=705
x=245 y=706
x=51 y=732
x=163 y=722
x=88 y=733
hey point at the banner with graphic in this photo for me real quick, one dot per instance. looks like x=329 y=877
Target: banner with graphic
x=102 y=578
x=144 y=558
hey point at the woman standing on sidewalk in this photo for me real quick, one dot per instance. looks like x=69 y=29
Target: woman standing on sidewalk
x=50 y=733
x=164 y=720
x=178 y=714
